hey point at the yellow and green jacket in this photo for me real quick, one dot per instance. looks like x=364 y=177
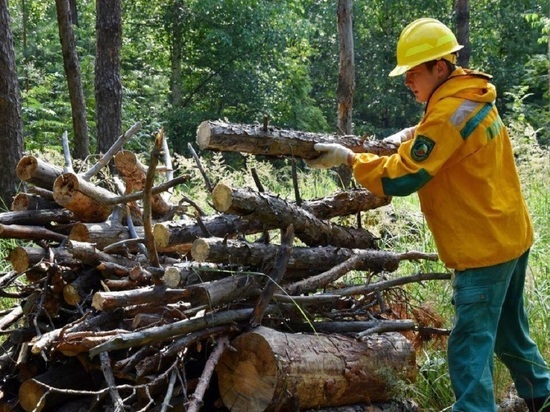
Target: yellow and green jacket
x=461 y=164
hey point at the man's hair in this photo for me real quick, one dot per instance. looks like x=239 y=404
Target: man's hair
x=430 y=64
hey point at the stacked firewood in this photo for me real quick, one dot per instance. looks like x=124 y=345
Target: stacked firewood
x=122 y=300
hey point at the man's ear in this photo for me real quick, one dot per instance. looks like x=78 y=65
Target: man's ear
x=441 y=68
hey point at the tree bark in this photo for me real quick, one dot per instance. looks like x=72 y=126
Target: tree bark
x=74 y=80
x=346 y=79
x=462 y=10
x=38 y=217
x=253 y=139
x=258 y=255
x=276 y=212
x=11 y=124
x=108 y=84
x=266 y=370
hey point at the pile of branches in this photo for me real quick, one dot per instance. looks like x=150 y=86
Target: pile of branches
x=123 y=300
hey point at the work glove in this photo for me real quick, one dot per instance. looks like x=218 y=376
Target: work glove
x=401 y=136
x=332 y=155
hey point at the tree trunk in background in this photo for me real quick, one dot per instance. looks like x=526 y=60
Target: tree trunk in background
x=346 y=78
x=462 y=10
x=108 y=85
x=74 y=80
x=174 y=30
x=11 y=125
x=74 y=12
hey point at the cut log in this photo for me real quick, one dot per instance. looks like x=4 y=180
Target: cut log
x=273 y=141
x=277 y=212
x=23 y=257
x=102 y=234
x=345 y=203
x=133 y=173
x=267 y=370
x=216 y=250
x=82 y=286
x=211 y=294
x=27 y=201
x=187 y=231
x=32 y=170
x=29 y=233
x=38 y=217
x=35 y=394
x=83 y=198
x=224 y=225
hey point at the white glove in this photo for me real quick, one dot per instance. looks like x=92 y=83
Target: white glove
x=401 y=136
x=332 y=155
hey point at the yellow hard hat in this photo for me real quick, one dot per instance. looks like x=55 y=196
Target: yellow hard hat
x=423 y=40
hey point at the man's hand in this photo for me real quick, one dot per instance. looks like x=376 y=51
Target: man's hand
x=332 y=155
x=401 y=136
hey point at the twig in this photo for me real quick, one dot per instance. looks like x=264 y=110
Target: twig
x=275 y=276
x=387 y=284
x=167 y=159
x=388 y=326
x=257 y=180
x=315 y=282
x=204 y=380
x=155 y=190
x=110 y=379
x=169 y=391
x=295 y=183
x=66 y=153
x=112 y=151
x=199 y=166
x=147 y=201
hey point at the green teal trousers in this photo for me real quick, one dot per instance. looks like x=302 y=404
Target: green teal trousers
x=490 y=319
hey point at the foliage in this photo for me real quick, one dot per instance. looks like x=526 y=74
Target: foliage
x=242 y=59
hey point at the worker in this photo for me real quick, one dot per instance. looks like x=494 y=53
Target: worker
x=460 y=161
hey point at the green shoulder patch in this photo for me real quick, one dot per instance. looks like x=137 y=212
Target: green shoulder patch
x=421 y=148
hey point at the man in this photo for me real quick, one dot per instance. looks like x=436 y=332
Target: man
x=460 y=161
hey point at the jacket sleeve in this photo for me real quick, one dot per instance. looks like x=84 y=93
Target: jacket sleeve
x=415 y=164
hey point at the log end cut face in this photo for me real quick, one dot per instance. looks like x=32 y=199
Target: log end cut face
x=247 y=374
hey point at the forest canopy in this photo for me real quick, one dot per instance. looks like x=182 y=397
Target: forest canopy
x=185 y=61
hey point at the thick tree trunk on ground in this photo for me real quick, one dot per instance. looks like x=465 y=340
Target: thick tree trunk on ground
x=266 y=370
x=254 y=139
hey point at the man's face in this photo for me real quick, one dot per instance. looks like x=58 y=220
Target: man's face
x=423 y=81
